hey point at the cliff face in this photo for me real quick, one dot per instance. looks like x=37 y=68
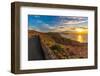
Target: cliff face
x=49 y=54
x=56 y=47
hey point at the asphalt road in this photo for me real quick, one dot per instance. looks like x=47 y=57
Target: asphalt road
x=35 y=51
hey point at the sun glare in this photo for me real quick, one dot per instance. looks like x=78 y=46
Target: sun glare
x=80 y=30
x=79 y=38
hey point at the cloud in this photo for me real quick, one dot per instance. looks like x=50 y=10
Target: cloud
x=46 y=28
x=74 y=22
x=64 y=23
x=64 y=29
x=33 y=28
x=41 y=26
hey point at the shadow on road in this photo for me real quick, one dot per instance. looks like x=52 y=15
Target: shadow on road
x=35 y=51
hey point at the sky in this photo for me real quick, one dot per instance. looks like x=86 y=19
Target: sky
x=48 y=23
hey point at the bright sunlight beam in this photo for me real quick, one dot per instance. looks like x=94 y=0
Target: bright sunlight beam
x=80 y=30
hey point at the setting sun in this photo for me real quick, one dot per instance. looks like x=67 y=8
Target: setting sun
x=80 y=30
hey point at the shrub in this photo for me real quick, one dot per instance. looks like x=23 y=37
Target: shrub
x=56 y=47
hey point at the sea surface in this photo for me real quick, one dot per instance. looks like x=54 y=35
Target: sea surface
x=82 y=38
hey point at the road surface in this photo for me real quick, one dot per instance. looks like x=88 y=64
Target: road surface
x=35 y=51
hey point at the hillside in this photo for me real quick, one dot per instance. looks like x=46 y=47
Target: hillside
x=63 y=48
x=65 y=41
